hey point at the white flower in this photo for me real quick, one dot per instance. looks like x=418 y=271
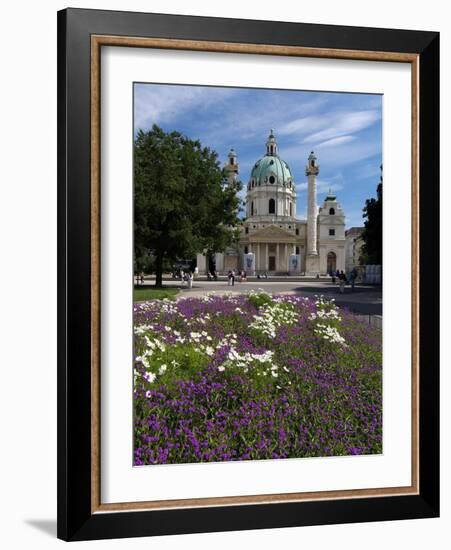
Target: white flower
x=150 y=376
x=162 y=369
x=221 y=368
x=149 y=342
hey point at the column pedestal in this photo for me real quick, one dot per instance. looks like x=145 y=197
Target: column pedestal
x=312 y=265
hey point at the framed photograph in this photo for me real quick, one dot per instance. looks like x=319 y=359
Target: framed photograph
x=248 y=274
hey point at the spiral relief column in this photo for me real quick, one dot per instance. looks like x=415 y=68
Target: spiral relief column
x=312 y=259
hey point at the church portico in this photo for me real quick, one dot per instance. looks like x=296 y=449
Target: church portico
x=272 y=247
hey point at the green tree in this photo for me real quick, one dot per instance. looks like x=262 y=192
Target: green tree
x=372 y=234
x=183 y=202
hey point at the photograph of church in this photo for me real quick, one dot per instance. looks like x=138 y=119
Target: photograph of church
x=273 y=240
x=257 y=331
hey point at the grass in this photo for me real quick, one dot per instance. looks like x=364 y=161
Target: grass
x=141 y=294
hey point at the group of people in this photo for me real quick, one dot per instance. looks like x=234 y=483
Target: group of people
x=232 y=274
x=344 y=279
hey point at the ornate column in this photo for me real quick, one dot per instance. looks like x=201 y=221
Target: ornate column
x=277 y=256
x=312 y=260
x=266 y=257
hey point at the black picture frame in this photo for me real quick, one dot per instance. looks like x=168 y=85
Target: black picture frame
x=76 y=521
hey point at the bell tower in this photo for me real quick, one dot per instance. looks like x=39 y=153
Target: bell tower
x=232 y=167
x=312 y=259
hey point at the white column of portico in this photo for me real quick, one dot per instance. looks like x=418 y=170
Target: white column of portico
x=257 y=256
x=286 y=257
x=277 y=257
x=266 y=257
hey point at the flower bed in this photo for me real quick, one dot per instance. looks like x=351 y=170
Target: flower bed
x=254 y=377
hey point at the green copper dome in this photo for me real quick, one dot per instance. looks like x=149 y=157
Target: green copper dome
x=271 y=169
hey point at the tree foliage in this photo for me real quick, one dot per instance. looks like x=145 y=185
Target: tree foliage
x=372 y=234
x=183 y=202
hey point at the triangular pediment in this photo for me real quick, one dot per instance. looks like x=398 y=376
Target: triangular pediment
x=272 y=233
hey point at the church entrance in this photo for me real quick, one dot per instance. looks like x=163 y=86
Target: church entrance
x=331 y=262
x=272 y=263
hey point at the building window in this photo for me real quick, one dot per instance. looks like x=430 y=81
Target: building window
x=252 y=208
x=272 y=179
x=331 y=232
x=291 y=210
x=332 y=211
x=246 y=230
x=245 y=249
x=231 y=160
x=297 y=231
x=272 y=206
x=297 y=250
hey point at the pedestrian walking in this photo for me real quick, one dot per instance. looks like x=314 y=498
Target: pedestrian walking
x=342 y=281
x=352 y=278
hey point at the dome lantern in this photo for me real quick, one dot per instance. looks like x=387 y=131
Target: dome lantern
x=271 y=145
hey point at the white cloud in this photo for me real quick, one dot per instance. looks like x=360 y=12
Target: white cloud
x=336 y=141
x=155 y=104
x=342 y=124
x=302 y=125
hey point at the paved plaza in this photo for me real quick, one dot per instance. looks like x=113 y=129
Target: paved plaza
x=365 y=299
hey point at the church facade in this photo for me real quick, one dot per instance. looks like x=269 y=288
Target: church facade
x=272 y=239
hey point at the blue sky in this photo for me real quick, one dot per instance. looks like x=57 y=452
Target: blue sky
x=344 y=130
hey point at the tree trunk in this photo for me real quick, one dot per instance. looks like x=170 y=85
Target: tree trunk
x=159 y=269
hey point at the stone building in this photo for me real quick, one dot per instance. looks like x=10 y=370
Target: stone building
x=273 y=240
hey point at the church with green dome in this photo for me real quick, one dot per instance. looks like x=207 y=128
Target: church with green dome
x=273 y=240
